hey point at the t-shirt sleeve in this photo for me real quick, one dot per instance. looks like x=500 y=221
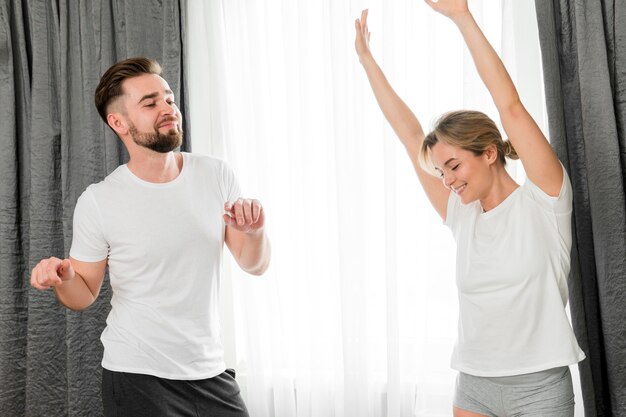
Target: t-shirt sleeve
x=88 y=242
x=231 y=190
x=561 y=204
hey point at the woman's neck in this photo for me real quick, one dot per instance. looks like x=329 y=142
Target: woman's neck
x=502 y=187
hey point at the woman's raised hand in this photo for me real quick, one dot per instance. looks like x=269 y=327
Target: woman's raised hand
x=362 y=40
x=449 y=8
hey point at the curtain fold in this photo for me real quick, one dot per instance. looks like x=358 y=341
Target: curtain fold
x=52 y=55
x=14 y=180
x=583 y=50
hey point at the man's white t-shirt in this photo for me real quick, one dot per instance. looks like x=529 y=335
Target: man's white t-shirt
x=512 y=267
x=164 y=245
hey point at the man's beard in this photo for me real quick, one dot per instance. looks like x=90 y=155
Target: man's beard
x=156 y=141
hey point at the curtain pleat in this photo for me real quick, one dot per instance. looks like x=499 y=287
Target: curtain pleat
x=14 y=180
x=583 y=48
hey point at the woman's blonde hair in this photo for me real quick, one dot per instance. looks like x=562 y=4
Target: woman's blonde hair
x=467 y=129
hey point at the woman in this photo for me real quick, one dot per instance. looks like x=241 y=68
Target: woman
x=513 y=242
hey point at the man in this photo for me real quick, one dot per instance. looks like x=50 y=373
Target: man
x=158 y=223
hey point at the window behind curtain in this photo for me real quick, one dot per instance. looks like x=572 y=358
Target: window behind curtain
x=357 y=313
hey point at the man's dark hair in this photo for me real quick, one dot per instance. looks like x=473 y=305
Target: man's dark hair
x=110 y=85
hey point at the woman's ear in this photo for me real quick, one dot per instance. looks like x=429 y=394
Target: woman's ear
x=491 y=153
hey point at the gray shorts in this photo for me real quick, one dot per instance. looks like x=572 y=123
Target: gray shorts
x=546 y=393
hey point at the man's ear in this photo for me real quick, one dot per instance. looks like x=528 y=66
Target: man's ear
x=117 y=123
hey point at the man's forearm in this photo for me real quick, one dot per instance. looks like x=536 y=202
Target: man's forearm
x=75 y=294
x=255 y=253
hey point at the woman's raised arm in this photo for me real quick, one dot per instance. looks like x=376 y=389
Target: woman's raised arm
x=539 y=159
x=400 y=117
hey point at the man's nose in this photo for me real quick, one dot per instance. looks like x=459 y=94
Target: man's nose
x=167 y=108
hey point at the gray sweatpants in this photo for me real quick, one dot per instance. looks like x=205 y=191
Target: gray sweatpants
x=137 y=395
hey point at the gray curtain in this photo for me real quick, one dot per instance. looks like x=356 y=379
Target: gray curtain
x=583 y=46
x=53 y=145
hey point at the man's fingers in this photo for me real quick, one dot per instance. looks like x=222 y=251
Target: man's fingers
x=229 y=216
x=243 y=212
x=34 y=277
x=64 y=268
x=39 y=278
x=235 y=210
x=47 y=273
x=52 y=269
x=238 y=208
x=247 y=211
x=52 y=274
x=52 y=282
x=256 y=210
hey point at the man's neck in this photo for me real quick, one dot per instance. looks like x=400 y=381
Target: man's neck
x=156 y=167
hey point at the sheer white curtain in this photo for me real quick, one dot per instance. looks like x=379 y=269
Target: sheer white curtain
x=357 y=313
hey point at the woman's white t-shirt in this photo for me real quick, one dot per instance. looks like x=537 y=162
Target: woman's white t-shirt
x=512 y=267
x=164 y=245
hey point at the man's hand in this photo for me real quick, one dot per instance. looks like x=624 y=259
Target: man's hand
x=51 y=272
x=244 y=215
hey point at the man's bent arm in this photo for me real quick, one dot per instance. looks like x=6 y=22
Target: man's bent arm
x=76 y=283
x=252 y=251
